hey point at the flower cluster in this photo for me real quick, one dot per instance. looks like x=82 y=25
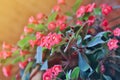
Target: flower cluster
x=59 y=23
x=85 y=9
x=7 y=50
x=37 y=19
x=52 y=72
x=106 y=9
x=47 y=41
x=113 y=43
x=116 y=32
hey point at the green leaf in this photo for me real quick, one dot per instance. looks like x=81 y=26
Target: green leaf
x=68 y=14
x=13 y=78
x=75 y=73
x=18 y=59
x=52 y=17
x=85 y=17
x=97 y=39
x=38 y=55
x=44 y=65
x=76 y=5
x=79 y=40
x=97 y=11
x=97 y=68
x=15 y=53
x=27 y=69
x=68 y=75
x=25 y=42
x=40 y=27
x=100 y=53
x=31 y=26
x=87 y=37
x=83 y=64
x=107 y=77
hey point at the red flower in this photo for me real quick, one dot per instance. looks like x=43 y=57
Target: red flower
x=52 y=26
x=32 y=20
x=104 y=23
x=91 y=20
x=28 y=30
x=56 y=69
x=5 y=54
x=6 y=46
x=78 y=22
x=7 y=70
x=90 y=7
x=50 y=40
x=40 y=16
x=63 y=26
x=106 y=9
x=22 y=37
x=102 y=68
x=56 y=38
x=38 y=35
x=24 y=52
x=61 y=1
x=22 y=65
x=47 y=75
x=80 y=12
x=32 y=43
x=112 y=44
x=60 y=20
x=56 y=8
x=116 y=32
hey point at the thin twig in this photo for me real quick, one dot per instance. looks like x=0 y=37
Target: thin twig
x=114 y=19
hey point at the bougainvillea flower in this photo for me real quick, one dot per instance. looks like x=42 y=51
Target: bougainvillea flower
x=24 y=52
x=90 y=7
x=60 y=20
x=106 y=9
x=112 y=44
x=52 y=26
x=56 y=8
x=6 y=46
x=104 y=23
x=50 y=40
x=91 y=20
x=32 y=20
x=56 y=69
x=61 y=1
x=22 y=37
x=7 y=70
x=28 y=30
x=116 y=32
x=40 y=16
x=6 y=54
x=102 y=68
x=32 y=43
x=78 y=22
x=47 y=75
x=23 y=64
x=38 y=35
x=63 y=26
x=81 y=11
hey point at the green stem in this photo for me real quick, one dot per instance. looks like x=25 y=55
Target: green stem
x=69 y=43
x=80 y=29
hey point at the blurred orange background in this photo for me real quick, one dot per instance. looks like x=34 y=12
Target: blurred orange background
x=14 y=16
